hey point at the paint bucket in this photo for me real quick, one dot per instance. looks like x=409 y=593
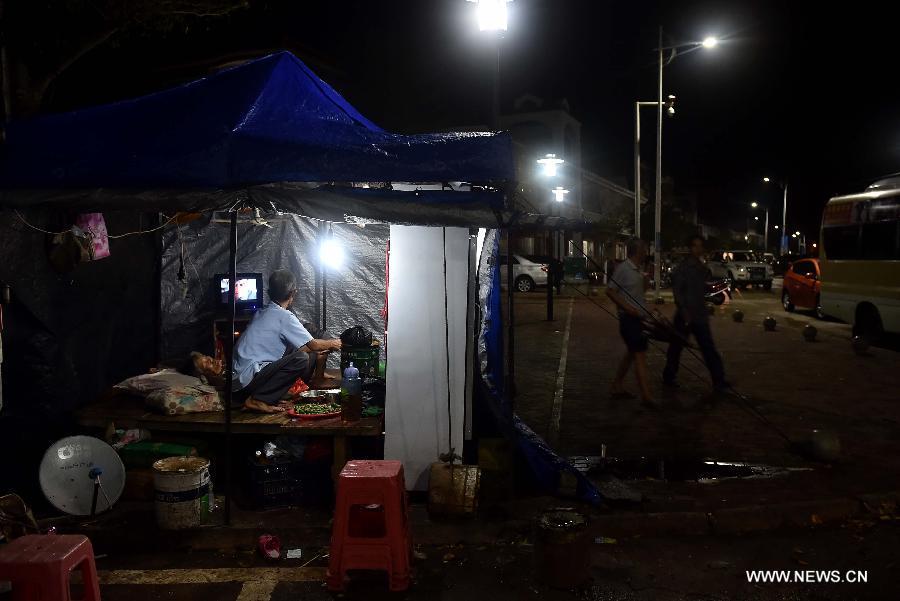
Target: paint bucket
x=183 y=492
x=562 y=549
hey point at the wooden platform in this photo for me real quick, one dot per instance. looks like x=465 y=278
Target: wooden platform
x=129 y=412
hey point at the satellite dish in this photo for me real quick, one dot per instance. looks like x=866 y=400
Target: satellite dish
x=71 y=467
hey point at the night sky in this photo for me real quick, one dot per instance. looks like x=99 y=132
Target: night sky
x=795 y=92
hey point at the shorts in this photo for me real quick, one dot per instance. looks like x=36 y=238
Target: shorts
x=632 y=332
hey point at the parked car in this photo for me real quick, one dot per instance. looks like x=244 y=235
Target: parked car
x=802 y=287
x=526 y=274
x=741 y=268
x=783 y=262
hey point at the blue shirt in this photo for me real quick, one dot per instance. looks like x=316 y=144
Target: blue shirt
x=629 y=281
x=273 y=332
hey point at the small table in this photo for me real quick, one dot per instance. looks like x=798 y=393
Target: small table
x=128 y=411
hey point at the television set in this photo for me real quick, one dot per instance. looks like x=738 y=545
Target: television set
x=248 y=293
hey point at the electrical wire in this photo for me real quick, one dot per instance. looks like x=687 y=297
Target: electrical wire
x=451 y=451
x=110 y=236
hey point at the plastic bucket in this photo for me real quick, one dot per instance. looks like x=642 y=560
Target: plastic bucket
x=183 y=491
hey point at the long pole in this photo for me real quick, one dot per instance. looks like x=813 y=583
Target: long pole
x=766 y=235
x=229 y=355
x=659 y=116
x=784 y=234
x=495 y=93
x=637 y=169
x=510 y=324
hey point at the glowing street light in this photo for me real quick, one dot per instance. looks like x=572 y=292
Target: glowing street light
x=776 y=227
x=550 y=164
x=669 y=108
x=492 y=14
x=756 y=218
x=559 y=193
x=796 y=233
x=754 y=204
x=766 y=179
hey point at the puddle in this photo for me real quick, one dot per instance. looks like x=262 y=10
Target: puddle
x=675 y=470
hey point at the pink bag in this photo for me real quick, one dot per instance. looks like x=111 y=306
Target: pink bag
x=94 y=224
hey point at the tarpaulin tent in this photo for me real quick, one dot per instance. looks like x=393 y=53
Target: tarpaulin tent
x=267 y=134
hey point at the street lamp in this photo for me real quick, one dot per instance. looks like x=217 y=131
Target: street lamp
x=670 y=111
x=550 y=164
x=708 y=43
x=493 y=17
x=559 y=193
x=784 y=241
x=756 y=205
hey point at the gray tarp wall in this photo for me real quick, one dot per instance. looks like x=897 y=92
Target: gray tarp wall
x=355 y=293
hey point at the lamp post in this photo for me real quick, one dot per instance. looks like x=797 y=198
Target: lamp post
x=708 y=43
x=782 y=247
x=670 y=111
x=550 y=165
x=755 y=205
x=492 y=16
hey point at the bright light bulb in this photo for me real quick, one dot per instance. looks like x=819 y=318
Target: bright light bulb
x=754 y=204
x=492 y=15
x=796 y=233
x=550 y=164
x=766 y=179
x=776 y=227
x=331 y=254
x=559 y=193
x=756 y=218
x=710 y=42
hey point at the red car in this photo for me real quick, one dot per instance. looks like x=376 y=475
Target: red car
x=802 y=286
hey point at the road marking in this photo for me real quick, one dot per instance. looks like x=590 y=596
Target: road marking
x=259 y=590
x=556 y=411
x=212 y=575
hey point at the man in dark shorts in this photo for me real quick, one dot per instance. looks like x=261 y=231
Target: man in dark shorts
x=276 y=349
x=626 y=289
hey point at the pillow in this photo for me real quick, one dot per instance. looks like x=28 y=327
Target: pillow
x=173 y=393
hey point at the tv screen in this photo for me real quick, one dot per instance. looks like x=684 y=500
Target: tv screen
x=248 y=289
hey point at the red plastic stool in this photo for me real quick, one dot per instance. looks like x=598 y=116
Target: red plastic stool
x=371 y=530
x=40 y=567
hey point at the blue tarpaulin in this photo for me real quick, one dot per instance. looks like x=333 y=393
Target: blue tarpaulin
x=268 y=120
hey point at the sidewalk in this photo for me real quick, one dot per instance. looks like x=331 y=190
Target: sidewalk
x=799 y=386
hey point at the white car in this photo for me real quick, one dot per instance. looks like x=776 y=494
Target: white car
x=741 y=268
x=526 y=274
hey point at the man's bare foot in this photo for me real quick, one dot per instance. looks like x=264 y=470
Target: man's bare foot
x=261 y=407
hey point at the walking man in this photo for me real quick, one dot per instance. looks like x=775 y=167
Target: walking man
x=626 y=289
x=689 y=287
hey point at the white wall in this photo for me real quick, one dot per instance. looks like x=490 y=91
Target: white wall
x=416 y=409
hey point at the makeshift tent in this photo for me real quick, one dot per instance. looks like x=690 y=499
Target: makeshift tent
x=271 y=135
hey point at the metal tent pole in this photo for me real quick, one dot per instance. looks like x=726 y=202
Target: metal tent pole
x=510 y=316
x=229 y=354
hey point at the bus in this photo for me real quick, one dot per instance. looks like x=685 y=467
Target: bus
x=859 y=259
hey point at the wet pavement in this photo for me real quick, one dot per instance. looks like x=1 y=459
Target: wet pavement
x=796 y=385
x=640 y=568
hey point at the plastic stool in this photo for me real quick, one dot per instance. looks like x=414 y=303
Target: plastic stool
x=371 y=529
x=40 y=567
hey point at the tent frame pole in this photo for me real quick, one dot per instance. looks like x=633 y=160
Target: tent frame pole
x=229 y=354
x=510 y=329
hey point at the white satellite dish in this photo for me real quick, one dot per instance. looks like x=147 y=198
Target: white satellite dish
x=73 y=467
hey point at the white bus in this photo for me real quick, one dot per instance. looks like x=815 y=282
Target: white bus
x=860 y=259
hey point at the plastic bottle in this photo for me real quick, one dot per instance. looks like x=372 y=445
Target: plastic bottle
x=351 y=395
